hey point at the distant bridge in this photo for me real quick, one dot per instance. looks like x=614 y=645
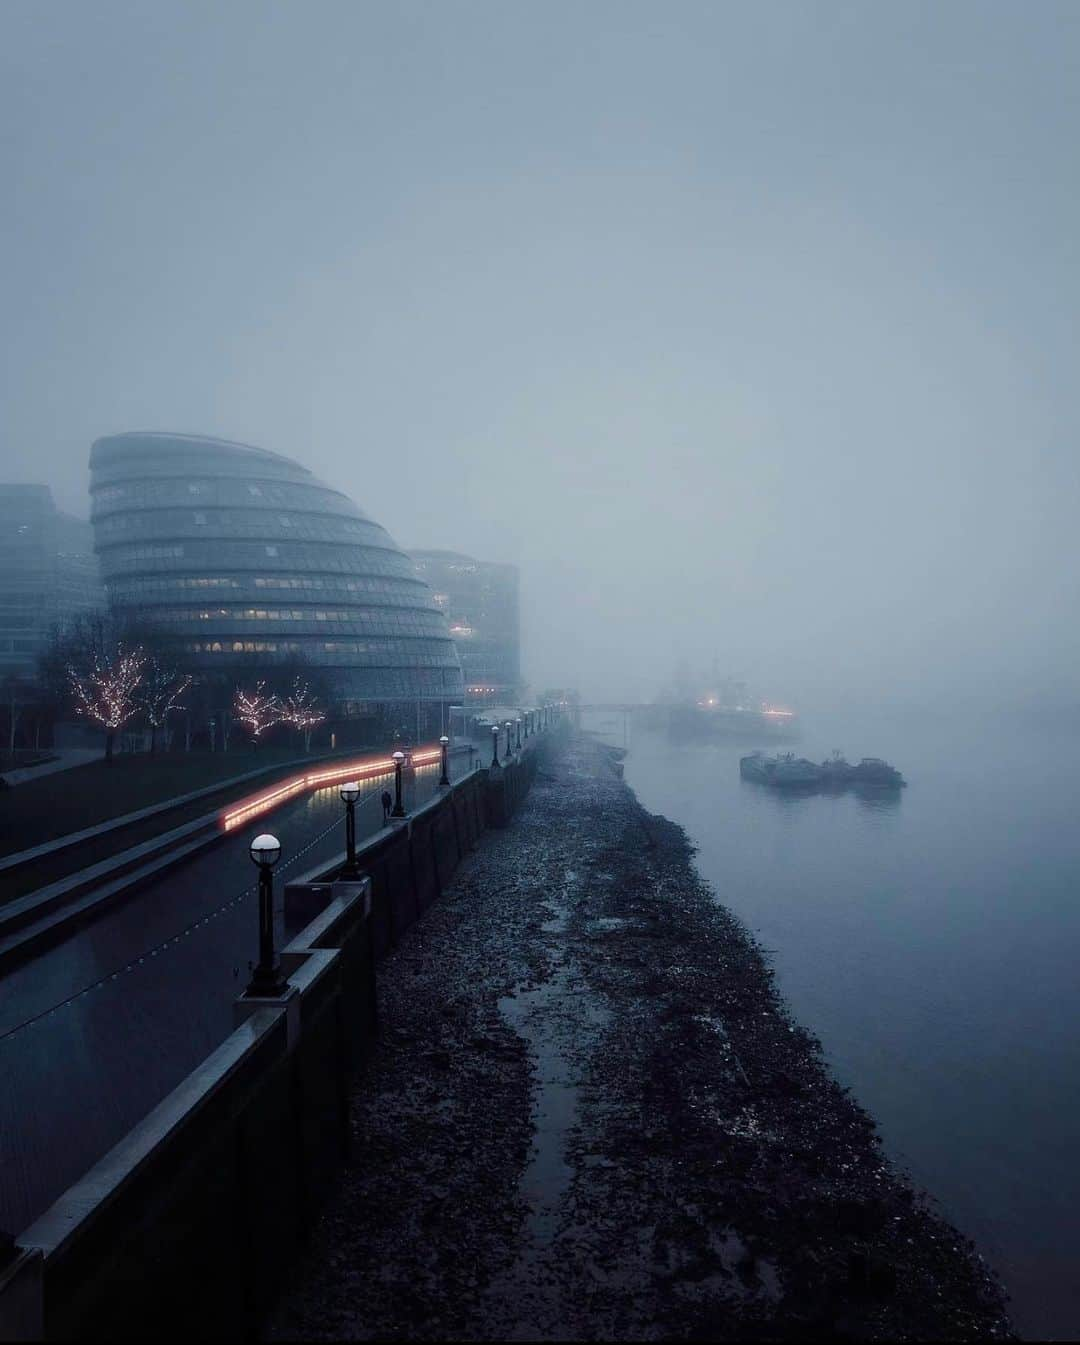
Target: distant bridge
x=613 y=707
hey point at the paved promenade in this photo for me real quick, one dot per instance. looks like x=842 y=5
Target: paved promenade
x=142 y=995
x=64 y=760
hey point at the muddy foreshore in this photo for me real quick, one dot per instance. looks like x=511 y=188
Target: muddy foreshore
x=590 y=1115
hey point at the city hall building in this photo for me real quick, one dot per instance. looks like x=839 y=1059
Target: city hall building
x=238 y=555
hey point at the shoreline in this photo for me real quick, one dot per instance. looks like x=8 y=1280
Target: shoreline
x=590 y=1113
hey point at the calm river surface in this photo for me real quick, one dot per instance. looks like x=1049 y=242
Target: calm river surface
x=931 y=941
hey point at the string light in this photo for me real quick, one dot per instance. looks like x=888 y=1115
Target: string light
x=161 y=692
x=301 y=710
x=106 y=694
x=259 y=709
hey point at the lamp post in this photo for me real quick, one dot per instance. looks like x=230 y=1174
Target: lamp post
x=517 y=723
x=267 y=981
x=349 y=794
x=509 y=745
x=444 y=743
x=494 y=744
x=525 y=721
x=398 y=809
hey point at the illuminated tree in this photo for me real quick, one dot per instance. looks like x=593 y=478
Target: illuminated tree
x=258 y=710
x=301 y=709
x=105 y=691
x=159 y=695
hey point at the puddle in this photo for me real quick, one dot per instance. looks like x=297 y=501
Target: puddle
x=547 y=1175
x=557 y=1021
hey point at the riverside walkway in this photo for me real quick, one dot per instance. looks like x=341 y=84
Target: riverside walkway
x=96 y=1030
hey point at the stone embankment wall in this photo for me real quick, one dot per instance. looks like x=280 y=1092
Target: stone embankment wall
x=185 y=1228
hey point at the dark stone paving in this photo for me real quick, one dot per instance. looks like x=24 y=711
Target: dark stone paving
x=591 y=1116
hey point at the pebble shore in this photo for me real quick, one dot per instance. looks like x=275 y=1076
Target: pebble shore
x=590 y=1115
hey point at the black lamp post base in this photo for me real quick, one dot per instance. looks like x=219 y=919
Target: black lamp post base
x=269 y=984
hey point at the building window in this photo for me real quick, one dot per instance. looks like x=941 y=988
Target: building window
x=200 y=519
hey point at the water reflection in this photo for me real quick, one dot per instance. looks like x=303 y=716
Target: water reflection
x=879 y=801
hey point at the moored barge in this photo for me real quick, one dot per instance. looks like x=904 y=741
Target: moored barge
x=786 y=771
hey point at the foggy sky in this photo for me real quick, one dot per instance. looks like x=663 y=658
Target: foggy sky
x=746 y=331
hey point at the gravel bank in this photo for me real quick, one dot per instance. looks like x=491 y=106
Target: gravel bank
x=590 y=1115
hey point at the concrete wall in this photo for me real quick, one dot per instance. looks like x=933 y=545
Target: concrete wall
x=505 y=787
x=185 y=1227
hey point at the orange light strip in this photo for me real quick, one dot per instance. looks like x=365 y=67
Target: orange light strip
x=365 y=768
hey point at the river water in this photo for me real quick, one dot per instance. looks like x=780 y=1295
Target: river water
x=931 y=940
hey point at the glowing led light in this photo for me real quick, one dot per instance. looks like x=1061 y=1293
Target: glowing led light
x=107 y=693
x=302 y=710
x=363 y=769
x=258 y=709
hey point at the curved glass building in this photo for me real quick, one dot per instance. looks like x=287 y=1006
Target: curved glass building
x=233 y=552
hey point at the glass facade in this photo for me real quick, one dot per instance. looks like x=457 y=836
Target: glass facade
x=48 y=572
x=480 y=600
x=233 y=551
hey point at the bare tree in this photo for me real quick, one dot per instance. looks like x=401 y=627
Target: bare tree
x=159 y=694
x=258 y=709
x=106 y=692
x=71 y=643
x=301 y=709
x=17 y=694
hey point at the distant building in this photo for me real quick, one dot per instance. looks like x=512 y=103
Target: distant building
x=48 y=573
x=235 y=552
x=480 y=600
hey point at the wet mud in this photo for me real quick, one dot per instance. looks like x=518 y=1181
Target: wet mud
x=590 y=1115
